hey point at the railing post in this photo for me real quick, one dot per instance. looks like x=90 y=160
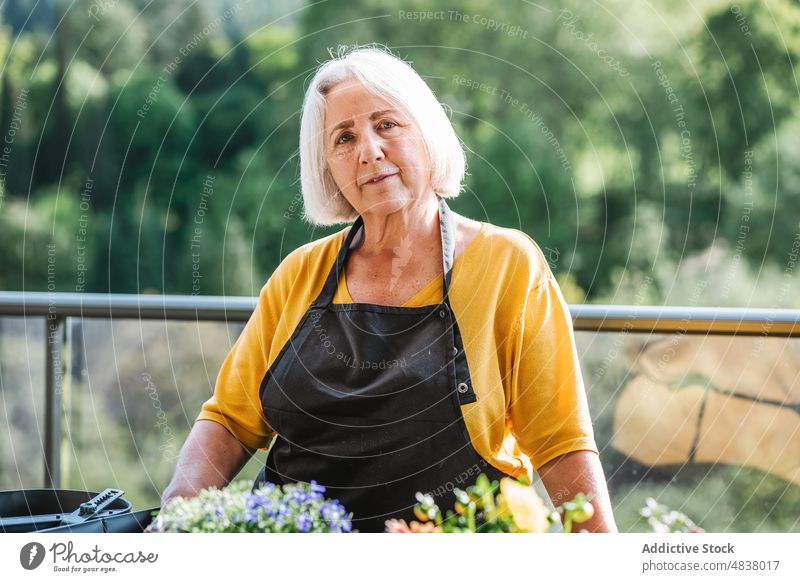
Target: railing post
x=54 y=378
x=74 y=376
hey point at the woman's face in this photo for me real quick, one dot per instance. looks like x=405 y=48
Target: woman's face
x=366 y=138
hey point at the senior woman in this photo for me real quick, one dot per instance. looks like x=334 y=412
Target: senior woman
x=410 y=351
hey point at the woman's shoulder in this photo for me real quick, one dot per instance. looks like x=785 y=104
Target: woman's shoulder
x=315 y=250
x=513 y=253
x=306 y=260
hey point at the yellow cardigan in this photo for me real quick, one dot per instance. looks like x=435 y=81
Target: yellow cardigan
x=517 y=334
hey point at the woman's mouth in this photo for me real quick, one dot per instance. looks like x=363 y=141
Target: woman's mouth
x=379 y=179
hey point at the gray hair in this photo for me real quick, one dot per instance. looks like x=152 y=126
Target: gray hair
x=393 y=79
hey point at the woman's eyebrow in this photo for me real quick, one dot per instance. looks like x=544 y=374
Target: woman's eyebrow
x=349 y=122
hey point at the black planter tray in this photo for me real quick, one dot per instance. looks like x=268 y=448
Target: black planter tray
x=126 y=523
x=26 y=510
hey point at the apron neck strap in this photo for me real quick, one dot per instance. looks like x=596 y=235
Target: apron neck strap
x=446 y=227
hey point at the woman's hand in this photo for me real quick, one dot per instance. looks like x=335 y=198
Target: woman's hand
x=580 y=472
x=210 y=457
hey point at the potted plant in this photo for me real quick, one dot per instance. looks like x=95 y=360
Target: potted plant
x=297 y=507
x=509 y=505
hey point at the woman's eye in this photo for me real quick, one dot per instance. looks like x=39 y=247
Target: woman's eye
x=342 y=138
x=387 y=124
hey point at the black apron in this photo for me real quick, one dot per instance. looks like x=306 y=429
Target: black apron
x=366 y=400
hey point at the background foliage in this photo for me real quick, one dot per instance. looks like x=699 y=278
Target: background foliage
x=623 y=139
x=651 y=149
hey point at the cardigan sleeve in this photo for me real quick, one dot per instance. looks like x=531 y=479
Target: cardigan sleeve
x=235 y=403
x=547 y=408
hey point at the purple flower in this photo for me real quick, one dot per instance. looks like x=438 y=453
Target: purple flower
x=303 y=523
x=256 y=504
x=332 y=510
x=256 y=500
x=340 y=526
x=298 y=496
x=316 y=490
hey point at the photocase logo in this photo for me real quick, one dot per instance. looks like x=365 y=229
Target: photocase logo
x=31 y=555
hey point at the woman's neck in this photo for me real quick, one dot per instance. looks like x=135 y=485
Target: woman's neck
x=384 y=234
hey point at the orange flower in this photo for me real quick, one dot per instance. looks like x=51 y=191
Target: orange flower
x=428 y=527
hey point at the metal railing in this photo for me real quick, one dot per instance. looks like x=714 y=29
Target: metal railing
x=55 y=308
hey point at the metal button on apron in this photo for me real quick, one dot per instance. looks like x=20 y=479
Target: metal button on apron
x=462 y=388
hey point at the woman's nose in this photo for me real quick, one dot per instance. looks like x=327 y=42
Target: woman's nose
x=371 y=149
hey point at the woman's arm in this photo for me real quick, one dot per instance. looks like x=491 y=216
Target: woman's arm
x=580 y=472
x=210 y=457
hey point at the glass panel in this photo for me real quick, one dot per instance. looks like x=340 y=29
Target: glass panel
x=707 y=425
x=133 y=390
x=22 y=402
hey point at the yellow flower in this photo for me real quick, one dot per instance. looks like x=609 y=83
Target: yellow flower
x=526 y=507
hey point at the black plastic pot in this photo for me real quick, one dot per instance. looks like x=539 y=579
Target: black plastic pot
x=26 y=510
